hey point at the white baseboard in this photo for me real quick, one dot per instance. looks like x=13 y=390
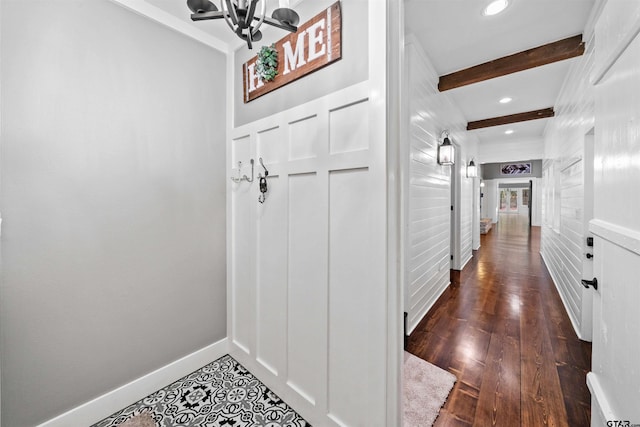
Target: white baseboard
x=413 y=325
x=466 y=261
x=601 y=409
x=574 y=322
x=101 y=407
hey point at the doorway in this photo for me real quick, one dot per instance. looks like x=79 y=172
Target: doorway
x=586 y=312
x=515 y=198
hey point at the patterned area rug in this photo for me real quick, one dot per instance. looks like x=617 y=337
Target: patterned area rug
x=223 y=393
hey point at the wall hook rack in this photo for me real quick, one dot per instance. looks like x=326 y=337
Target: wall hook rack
x=263 y=183
x=239 y=179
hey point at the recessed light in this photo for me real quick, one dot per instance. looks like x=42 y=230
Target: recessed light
x=508 y=132
x=505 y=100
x=495 y=7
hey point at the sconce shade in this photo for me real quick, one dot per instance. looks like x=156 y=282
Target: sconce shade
x=472 y=170
x=446 y=152
x=201 y=6
x=286 y=15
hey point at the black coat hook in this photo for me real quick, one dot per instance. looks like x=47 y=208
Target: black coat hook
x=263 y=182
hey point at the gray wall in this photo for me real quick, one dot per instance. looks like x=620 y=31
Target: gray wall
x=113 y=202
x=351 y=69
x=492 y=170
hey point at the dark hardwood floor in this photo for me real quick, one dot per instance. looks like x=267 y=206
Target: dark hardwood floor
x=502 y=330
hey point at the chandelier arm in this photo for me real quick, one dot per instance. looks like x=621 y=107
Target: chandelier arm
x=282 y=25
x=251 y=12
x=203 y=16
x=225 y=15
x=263 y=14
x=231 y=12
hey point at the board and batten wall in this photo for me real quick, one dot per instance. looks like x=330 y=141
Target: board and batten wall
x=563 y=230
x=427 y=187
x=615 y=377
x=113 y=189
x=308 y=302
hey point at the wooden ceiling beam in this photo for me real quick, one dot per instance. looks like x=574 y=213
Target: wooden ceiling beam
x=541 y=55
x=512 y=118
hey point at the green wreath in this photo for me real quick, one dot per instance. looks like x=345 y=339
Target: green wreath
x=267 y=63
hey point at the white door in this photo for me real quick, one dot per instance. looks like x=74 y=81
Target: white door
x=615 y=377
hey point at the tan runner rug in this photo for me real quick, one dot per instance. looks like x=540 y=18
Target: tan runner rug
x=142 y=420
x=426 y=388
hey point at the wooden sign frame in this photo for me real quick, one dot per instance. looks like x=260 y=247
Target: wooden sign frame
x=321 y=39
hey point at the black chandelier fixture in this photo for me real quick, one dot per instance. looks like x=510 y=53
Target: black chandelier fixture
x=243 y=18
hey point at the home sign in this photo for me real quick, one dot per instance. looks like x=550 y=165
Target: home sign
x=317 y=43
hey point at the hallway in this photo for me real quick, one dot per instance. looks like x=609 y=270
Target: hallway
x=502 y=330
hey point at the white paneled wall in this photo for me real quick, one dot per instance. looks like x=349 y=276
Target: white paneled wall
x=308 y=276
x=563 y=231
x=427 y=186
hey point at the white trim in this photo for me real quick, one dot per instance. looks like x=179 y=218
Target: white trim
x=624 y=237
x=412 y=328
x=465 y=262
x=101 y=407
x=600 y=402
x=394 y=170
x=574 y=322
x=158 y=15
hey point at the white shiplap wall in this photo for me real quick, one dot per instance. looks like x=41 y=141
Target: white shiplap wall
x=563 y=230
x=427 y=218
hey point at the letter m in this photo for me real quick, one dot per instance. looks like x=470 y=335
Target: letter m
x=294 y=59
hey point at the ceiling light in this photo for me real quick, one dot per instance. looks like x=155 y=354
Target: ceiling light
x=505 y=100
x=243 y=17
x=495 y=7
x=508 y=132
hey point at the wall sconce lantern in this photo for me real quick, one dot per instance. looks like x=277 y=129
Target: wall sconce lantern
x=446 y=150
x=472 y=170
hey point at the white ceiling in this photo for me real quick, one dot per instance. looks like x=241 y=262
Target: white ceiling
x=455 y=36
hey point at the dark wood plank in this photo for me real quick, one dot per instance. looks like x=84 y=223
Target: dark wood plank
x=499 y=398
x=511 y=118
x=542 y=398
x=502 y=330
x=541 y=55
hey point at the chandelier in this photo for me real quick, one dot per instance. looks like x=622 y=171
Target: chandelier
x=243 y=18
